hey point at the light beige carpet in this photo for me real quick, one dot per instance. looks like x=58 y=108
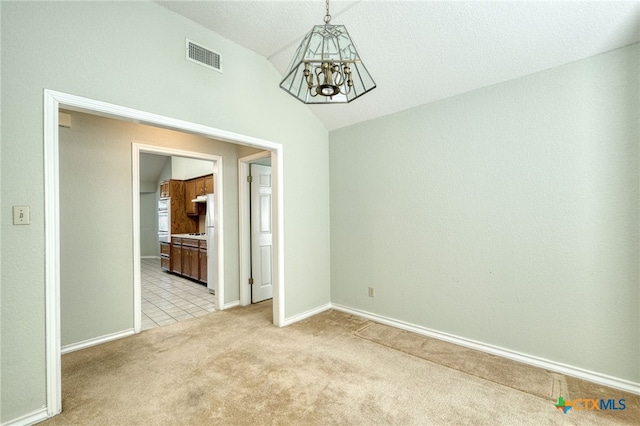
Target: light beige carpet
x=235 y=368
x=519 y=376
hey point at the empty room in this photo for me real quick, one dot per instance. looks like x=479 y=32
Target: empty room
x=409 y=212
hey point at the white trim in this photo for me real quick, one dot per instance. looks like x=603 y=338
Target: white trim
x=244 y=233
x=136 y=149
x=29 y=419
x=244 y=222
x=52 y=255
x=229 y=305
x=53 y=101
x=149 y=257
x=535 y=361
x=137 y=274
x=307 y=314
x=96 y=341
x=277 y=173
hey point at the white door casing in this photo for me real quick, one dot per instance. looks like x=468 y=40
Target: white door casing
x=244 y=219
x=261 y=234
x=53 y=101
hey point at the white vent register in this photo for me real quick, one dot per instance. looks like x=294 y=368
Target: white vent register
x=203 y=56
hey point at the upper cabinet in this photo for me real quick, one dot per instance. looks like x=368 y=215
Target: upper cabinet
x=200 y=186
x=164 y=189
x=171 y=188
x=195 y=187
x=208 y=184
x=190 y=191
x=204 y=185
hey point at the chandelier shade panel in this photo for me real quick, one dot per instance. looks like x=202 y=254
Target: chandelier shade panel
x=327 y=68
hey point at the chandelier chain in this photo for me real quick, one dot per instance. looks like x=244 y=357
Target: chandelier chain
x=327 y=17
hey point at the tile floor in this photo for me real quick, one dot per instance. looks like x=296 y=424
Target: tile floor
x=168 y=298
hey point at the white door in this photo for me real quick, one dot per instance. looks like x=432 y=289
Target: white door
x=261 y=245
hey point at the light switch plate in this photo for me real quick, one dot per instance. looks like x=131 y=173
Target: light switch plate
x=21 y=215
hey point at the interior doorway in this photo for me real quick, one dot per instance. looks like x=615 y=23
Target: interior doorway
x=215 y=261
x=53 y=102
x=244 y=220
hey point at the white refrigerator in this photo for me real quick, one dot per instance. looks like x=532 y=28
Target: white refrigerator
x=212 y=244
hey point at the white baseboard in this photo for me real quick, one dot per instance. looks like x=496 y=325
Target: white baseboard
x=307 y=314
x=149 y=257
x=96 y=341
x=231 y=305
x=569 y=370
x=29 y=419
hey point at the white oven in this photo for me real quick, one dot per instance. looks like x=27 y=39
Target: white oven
x=164 y=220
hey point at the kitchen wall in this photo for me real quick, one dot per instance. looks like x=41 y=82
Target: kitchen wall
x=149 y=195
x=132 y=54
x=95 y=199
x=507 y=215
x=189 y=168
x=149 y=246
x=165 y=174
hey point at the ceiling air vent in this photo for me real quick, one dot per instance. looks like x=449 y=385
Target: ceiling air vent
x=203 y=56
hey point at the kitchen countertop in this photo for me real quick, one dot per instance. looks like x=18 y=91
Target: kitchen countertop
x=195 y=237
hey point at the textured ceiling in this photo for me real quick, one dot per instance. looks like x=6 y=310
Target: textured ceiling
x=423 y=51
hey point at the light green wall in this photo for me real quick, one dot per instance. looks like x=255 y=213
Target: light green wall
x=3 y=217
x=132 y=54
x=96 y=254
x=507 y=215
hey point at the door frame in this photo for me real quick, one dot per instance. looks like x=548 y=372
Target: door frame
x=140 y=147
x=244 y=222
x=53 y=101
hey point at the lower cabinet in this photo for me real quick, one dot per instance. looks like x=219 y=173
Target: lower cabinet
x=188 y=258
x=202 y=255
x=176 y=256
x=190 y=265
x=165 y=256
x=165 y=263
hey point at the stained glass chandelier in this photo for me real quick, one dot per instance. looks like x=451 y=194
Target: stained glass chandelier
x=327 y=68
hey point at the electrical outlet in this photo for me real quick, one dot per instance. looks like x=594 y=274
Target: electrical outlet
x=21 y=215
x=372 y=292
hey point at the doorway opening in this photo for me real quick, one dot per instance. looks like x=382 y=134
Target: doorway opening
x=215 y=262
x=247 y=243
x=53 y=102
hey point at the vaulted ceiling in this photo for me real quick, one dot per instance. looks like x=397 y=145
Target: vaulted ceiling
x=422 y=51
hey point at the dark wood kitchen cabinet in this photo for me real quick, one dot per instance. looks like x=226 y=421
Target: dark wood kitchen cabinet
x=171 y=188
x=196 y=187
x=200 y=186
x=204 y=185
x=186 y=264
x=208 y=184
x=190 y=192
x=165 y=256
x=194 y=259
x=202 y=260
x=164 y=189
x=189 y=258
x=176 y=255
